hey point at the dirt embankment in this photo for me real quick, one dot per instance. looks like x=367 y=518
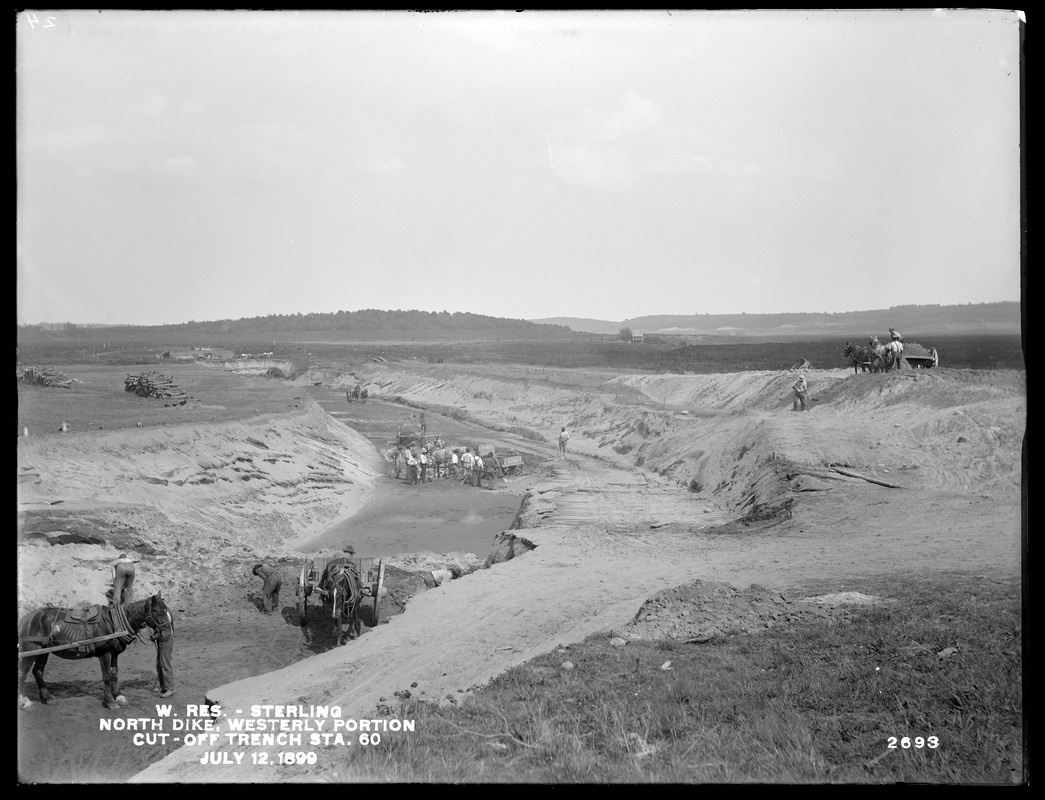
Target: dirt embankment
x=621 y=518
x=198 y=500
x=726 y=436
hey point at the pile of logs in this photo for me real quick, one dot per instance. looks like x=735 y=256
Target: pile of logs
x=153 y=384
x=39 y=376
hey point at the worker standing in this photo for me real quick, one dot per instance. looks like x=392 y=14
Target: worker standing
x=800 y=389
x=163 y=638
x=467 y=460
x=564 y=436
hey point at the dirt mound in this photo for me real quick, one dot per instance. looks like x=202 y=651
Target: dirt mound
x=705 y=610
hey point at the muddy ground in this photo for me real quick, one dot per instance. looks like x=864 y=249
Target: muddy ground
x=668 y=479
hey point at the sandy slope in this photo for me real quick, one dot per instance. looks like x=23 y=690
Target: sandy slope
x=191 y=499
x=588 y=577
x=622 y=517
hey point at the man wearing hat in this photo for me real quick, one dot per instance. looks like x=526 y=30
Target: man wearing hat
x=467 y=460
x=163 y=638
x=411 y=464
x=122 y=581
x=455 y=460
x=272 y=580
x=422 y=460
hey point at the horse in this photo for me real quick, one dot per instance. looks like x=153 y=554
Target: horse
x=859 y=356
x=364 y=394
x=395 y=455
x=887 y=356
x=357 y=390
x=893 y=354
x=442 y=461
x=54 y=627
x=340 y=585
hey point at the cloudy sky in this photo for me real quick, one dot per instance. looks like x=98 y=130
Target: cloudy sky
x=178 y=166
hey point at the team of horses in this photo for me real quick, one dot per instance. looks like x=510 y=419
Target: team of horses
x=86 y=632
x=357 y=392
x=874 y=357
x=341 y=590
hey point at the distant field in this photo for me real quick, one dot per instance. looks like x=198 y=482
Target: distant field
x=97 y=400
x=961 y=352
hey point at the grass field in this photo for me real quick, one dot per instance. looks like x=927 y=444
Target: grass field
x=817 y=702
x=962 y=352
x=96 y=400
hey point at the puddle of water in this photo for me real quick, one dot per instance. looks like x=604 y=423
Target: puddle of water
x=443 y=516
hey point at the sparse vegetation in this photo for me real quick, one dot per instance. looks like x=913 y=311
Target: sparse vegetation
x=816 y=702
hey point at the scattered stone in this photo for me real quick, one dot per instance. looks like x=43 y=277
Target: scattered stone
x=666 y=665
x=465 y=698
x=567 y=665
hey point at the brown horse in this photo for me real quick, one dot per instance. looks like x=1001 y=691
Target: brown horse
x=60 y=627
x=860 y=357
x=339 y=586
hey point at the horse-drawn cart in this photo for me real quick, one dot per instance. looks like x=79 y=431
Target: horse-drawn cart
x=510 y=462
x=917 y=357
x=339 y=584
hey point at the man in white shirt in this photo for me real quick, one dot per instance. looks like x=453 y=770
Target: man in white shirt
x=467 y=460
x=564 y=436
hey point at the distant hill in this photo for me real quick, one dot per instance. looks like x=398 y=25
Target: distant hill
x=368 y=324
x=980 y=318
x=582 y=325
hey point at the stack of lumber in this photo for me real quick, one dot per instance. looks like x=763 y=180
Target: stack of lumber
x=40 y=376
x=153 y=384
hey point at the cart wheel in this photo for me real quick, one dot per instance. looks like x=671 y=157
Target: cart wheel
x=377 y=594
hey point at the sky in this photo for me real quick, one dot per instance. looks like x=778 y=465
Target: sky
x=182 y=165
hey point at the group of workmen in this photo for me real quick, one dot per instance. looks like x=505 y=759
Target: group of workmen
x=121 y=593
x=421 y=467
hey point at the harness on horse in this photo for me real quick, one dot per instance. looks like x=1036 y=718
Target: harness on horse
x=82 y=623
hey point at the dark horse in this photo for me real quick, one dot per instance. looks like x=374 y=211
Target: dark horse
x=339 y=586
x=56 y=627
x=860 y=357
x=364 y=394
